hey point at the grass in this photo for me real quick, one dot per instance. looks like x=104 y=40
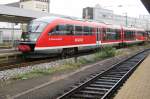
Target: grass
x=105 y=53
x=68 y=65
x=42 y=72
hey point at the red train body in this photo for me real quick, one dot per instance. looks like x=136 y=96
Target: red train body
x=54 y=35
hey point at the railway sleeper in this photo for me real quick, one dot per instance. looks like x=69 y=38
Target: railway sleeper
x=141 y=55
x=112 y=78
x=124 y=65
x=85 y=96
x=101 y=86
x=96 y=89
x=116 y=76
x=105 y=83
x=115 y=72
x=121 y=69
x=91 y=92
x=134 y=59
x=130 y=64
x=107 y=80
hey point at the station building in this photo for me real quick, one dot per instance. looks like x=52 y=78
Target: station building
x=37 y=5
x=11 y=32
x=107 y=16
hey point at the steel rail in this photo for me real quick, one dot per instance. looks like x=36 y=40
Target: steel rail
x=105 y=84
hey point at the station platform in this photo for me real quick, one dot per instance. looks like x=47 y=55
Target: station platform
x=9 y=54
x=7 y=50
x=138 y=85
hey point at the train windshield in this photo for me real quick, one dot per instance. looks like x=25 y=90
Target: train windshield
x=35 y=28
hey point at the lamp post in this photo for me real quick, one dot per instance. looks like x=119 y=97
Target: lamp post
x=126 y=16
x=126 y=19
x=49 y=6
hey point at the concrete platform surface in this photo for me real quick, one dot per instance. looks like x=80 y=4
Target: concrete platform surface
x=9 y=55
x=11 y=51
x=138 y=85
x=8 y=50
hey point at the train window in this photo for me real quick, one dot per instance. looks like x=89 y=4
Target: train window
x=36 y=26
x=118 y=34
x=87 y=30
x=145 y=33
x=98 y=34
x=78 y=30
x=59 y=30
x=91 y=30
x=104 y=33
x=111 y=34
x=129 y=35
x=70 y=30
x=63 y=30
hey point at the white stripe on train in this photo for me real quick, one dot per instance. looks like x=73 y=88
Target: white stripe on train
x=83 y=45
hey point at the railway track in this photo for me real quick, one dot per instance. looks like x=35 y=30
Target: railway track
x=20 y=63
x=24 y=63
x=105 y=84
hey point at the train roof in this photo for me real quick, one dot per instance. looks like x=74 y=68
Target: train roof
x=49 y=19
x=133 y=28
x=46 y=19
x=114 y=26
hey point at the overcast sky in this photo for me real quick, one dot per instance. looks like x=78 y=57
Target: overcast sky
x=133 y=8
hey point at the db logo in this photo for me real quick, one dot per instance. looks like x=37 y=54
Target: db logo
x=78 y=39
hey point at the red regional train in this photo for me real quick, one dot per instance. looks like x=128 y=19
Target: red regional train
x=59 y=35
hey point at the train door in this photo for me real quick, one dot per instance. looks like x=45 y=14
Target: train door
x=98 y=37
x=122 y=34
x=103 y=35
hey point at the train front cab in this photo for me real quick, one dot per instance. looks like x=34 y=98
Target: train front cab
x=30 y=38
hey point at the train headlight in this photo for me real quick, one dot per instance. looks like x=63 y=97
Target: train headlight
x=22 y=39
x=26 y=39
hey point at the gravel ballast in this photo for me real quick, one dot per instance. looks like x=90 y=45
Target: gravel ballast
x=10 y=73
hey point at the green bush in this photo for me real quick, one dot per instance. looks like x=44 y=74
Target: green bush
x=106 y=52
